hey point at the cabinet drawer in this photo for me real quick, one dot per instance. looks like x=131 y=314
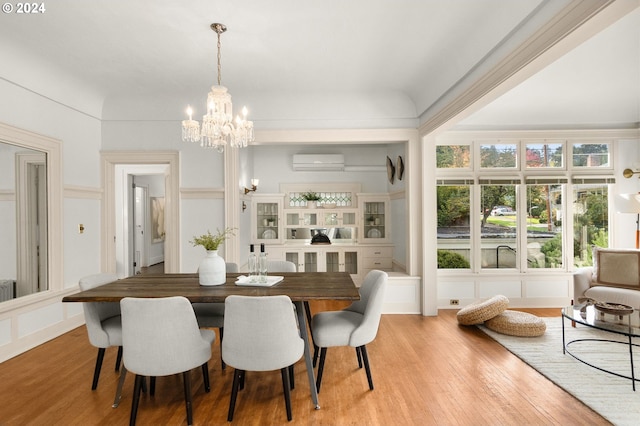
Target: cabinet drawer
x=377 y=263
x=377 y=252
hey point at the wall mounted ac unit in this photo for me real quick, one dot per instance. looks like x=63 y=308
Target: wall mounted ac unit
x=318 y=162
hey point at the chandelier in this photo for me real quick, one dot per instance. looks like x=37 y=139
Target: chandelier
x=218 y=127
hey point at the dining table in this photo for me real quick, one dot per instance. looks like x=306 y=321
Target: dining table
x=301 y=287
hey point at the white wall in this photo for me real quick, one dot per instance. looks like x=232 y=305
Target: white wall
x=32 y=324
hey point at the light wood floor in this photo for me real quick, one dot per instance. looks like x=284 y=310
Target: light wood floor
x=426 y=371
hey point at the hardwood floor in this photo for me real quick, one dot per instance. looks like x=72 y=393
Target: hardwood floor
x=426 y=371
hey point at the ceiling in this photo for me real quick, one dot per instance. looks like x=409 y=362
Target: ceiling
x=401 y=55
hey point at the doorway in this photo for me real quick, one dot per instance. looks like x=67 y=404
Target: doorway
x=120 y=171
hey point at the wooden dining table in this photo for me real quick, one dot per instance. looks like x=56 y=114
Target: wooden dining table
x=301 y=287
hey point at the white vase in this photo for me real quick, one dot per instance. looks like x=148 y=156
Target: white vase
x=212 y=270
x=312 y=204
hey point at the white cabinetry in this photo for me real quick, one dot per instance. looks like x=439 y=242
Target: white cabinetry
x=374 y=213
x=265 y=221
x=376 y=257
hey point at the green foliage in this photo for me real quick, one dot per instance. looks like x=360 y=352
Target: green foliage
x=552 y=250
x=452 y=156
x=310 y=196
x=498 y=155
x=212 y=242
x=451 y=260
x=453 y=205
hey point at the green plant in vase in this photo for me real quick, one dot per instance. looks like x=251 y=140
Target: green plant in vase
x=311 y=198
x=212 y=269
x=212 y=242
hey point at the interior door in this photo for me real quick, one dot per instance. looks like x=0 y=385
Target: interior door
x=139 y=228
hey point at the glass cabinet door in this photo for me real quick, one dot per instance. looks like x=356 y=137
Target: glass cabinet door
x=306 y=261
x=342 y=261
x=374 y=220
x=348 y=218
x=267 y=218
x=296 y=218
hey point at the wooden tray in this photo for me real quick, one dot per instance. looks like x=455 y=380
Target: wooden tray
x=613 y=308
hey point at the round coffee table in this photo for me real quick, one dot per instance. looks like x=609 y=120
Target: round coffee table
x=591 y=317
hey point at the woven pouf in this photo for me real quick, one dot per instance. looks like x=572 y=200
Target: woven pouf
x=515 y=323
x=479 y=312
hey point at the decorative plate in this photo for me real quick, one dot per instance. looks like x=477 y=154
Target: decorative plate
x=374 y=233
x=613 y=308
x=390 y=170
x=269 y=234
x=400 y=167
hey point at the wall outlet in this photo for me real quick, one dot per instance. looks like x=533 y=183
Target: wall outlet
x=454 y=301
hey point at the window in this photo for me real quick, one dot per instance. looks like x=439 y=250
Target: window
x=544 y=154
x=544 y=224
x=590 y=219
x=499 y=225
x=453 y=156
x=498 y=155
x=454 y=210
x=499 y=213
x=591 y=155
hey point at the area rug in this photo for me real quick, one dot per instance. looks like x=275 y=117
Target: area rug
x=610 y=396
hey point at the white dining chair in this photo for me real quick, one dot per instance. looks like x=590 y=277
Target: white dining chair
x=275 y=266
x=161 y=337
x=261 y=335
x=103 y=324
x=211 y=315
x=355 y=326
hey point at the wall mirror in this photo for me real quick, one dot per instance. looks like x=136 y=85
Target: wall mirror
x=30 y=200
x=23 y=221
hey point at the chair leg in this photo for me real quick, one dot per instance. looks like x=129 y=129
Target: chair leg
x=323 y=355
x=205 y=377
x=96 y=371
x=237 y=374
x=292 y=380
x=119 y=358
x=365 y=359
x=136 y=399
x=359 y=357
x=186 y=378
x=222 y=364
x=152 y=386
x=315 y=355
x=287 y=393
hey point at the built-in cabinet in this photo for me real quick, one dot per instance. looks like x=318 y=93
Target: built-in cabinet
x=359 y=234
x=374 y=213
x=265 y=221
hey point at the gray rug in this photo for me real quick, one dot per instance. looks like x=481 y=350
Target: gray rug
x=609 y=395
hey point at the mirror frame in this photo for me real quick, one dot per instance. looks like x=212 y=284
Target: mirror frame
x=53 y=150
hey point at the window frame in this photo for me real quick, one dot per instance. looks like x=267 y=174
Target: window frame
x=567 y=175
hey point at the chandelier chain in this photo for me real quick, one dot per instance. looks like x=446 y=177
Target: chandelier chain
x=219 y=60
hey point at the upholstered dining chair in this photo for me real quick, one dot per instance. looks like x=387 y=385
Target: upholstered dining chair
x=103 y=323
x=261 y=335
x=355 y=326
x=211 y=315
x=161 y=337
x=275 y=266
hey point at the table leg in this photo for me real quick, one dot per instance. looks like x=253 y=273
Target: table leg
x=633 y=375
x=123 y=373
x=564 y=346
x=300 y=311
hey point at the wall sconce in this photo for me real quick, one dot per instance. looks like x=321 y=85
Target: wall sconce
x=254 y=186
x=628 y=173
